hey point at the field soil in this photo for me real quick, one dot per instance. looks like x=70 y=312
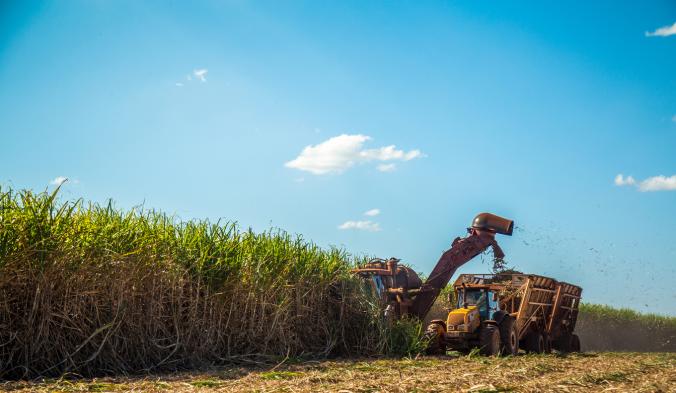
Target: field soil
x=624 y=372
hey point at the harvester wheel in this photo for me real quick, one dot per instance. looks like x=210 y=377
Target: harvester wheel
x=510 y=342
x=575 y=343
x=434 y=337
x=489 y=340
x=534 y=343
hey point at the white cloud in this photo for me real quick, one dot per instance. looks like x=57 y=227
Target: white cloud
x=334 y=155
x=658 y=183
x=387 y=167
x=369 y=226
x=342 y=152
x=201 y=74
x=59 y=180
x=662 y=31
x=198 y=73
x=655 y=183
x=620 y=180
x=673 y=118
x=389 y=153
x=372 y=212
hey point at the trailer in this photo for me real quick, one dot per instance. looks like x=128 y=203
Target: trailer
x=501 y=313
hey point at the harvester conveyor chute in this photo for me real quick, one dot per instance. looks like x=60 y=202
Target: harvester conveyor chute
x=402 y=289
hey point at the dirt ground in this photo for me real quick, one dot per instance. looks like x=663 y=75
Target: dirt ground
x=620 y=372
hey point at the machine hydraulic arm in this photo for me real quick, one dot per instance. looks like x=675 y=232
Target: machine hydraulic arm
x=462 y=251
x=402 y=289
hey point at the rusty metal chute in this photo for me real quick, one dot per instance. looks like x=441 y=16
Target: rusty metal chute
x=493 y=223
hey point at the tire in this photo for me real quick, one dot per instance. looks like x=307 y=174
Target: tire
x=563 y=343
x=435 y=339
x=508 y=338
x=575 y=343
x=535 y=343
x=548 y=343
x=489 y=340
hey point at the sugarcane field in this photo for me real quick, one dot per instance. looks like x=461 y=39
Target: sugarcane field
x=351 y=197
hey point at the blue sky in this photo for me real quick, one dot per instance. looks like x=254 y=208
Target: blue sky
x=285 y=114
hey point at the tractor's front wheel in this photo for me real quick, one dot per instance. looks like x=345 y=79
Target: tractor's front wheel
x=434 y=339
x=489 y=340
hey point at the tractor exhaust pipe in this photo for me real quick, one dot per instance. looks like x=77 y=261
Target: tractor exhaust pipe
x=492 y=223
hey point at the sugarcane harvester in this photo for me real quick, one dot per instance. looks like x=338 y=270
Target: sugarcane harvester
x=400 y=286
x=473 y=324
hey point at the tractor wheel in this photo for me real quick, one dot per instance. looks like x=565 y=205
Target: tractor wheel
x=489 y=340
x=510 y=342
x=434 y=337
x=574 y=343
x=534 y=343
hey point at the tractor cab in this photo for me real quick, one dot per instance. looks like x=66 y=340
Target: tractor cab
x=484 y=299
x=474 y=305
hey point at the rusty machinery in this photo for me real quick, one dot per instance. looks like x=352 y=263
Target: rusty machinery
x=401 y=288
x=497 y=313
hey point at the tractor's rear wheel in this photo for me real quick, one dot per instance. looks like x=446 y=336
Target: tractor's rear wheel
x=489 y=340
x=535 y=343
x=508 y=338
